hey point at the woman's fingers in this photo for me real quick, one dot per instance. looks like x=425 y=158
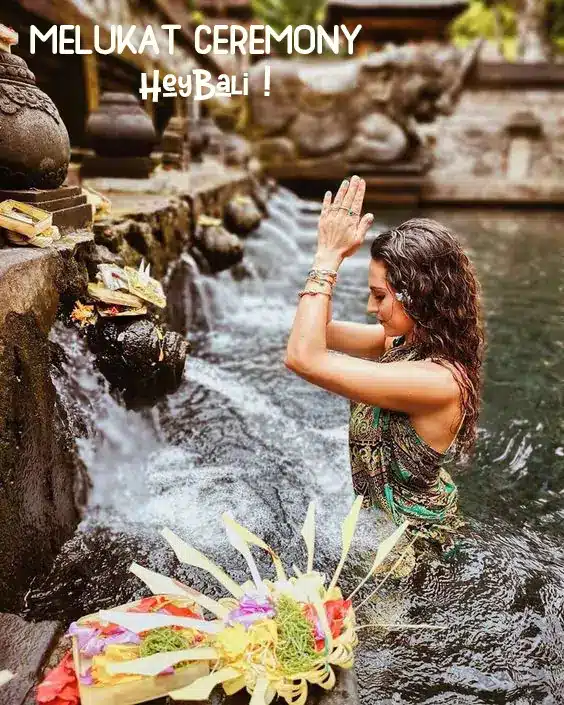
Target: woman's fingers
x=343 y=189
x=359 y=197
x=351 y=193
x=326 y=204
x=364 y=226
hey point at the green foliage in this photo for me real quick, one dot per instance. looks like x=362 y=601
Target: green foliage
x=281 y=13
x=484 y=21
x=556 y=10
x=479 y=21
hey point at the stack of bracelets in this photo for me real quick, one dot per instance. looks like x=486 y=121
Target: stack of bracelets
x=319 y=281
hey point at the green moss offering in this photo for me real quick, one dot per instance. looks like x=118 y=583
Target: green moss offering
x=163 y=639
x=295 y=650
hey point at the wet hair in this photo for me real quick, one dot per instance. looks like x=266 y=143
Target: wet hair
x=427 y=265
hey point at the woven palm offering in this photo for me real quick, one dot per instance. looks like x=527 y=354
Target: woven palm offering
x=272 y=637
x=99 y=642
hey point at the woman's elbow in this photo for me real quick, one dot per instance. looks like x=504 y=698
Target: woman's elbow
x=290 y=362
x=302 y=365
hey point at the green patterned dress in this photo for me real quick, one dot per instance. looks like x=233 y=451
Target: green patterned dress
x=397 y=471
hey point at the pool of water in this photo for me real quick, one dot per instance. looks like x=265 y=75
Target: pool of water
x=244 y=434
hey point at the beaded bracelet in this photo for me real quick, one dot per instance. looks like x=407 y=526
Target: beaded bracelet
x=321 y=275
x=314 y=293
x=328 y=272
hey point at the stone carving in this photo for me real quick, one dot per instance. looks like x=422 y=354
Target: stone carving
x=366 y=111
x=34 y=143
x=138 y=358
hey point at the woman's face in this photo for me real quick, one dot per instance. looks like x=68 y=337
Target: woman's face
x=383 y=304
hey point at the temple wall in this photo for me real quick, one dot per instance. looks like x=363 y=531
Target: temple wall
x=502 y=143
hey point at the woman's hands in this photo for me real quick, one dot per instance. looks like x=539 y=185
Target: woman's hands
x=341 y=230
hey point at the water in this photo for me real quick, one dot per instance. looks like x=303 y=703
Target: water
x=244 y=434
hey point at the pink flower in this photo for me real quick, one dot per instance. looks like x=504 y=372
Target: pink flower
x=252 y=608
x=91 y=641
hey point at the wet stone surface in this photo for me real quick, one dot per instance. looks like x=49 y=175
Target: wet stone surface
x=24 y=648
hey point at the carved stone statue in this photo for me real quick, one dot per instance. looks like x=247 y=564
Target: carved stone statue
x=364 y=111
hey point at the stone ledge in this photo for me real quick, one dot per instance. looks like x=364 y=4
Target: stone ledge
x=25 y=647
x=495 y=191
x=27 y=276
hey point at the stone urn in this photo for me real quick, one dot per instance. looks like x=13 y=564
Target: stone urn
x=138 y=358
x=34 y=142
x=120 y=127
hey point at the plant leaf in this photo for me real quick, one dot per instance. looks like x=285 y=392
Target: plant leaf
x=239 y=544
x=138 y=622
x=249 y=537
x=201 y=688
x=259 y=693
x=308 y=535
x=382 y=553
x=157 y=663
x=191 y=556
x=163 y=585
x=347 y=532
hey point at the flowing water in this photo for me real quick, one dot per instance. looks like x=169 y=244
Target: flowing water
x=244 y=434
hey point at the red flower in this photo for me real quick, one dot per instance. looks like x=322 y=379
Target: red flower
x=162 y=604
x=180 y=611
x=149 y=604
x=336 y=612
x=59 y=687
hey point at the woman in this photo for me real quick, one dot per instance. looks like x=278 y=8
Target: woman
x=413 y=380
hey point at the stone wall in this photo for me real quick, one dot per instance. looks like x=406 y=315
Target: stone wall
x=504 y=142
x=43 y=484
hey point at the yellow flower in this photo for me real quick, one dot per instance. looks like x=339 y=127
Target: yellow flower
x=83 y=314
x=232 y=641
x=262 y=634
x=113 y=653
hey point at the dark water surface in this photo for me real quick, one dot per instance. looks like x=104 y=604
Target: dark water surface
x=243 y=433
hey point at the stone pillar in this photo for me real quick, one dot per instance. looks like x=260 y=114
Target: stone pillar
x=534 y=46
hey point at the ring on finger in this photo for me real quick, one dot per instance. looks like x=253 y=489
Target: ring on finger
x=344 y=208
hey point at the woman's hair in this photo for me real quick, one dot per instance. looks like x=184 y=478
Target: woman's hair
x=428 y=267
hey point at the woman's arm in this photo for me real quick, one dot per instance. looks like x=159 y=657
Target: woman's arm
x=310 y=329
x=356 y=339
x=411 y=387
